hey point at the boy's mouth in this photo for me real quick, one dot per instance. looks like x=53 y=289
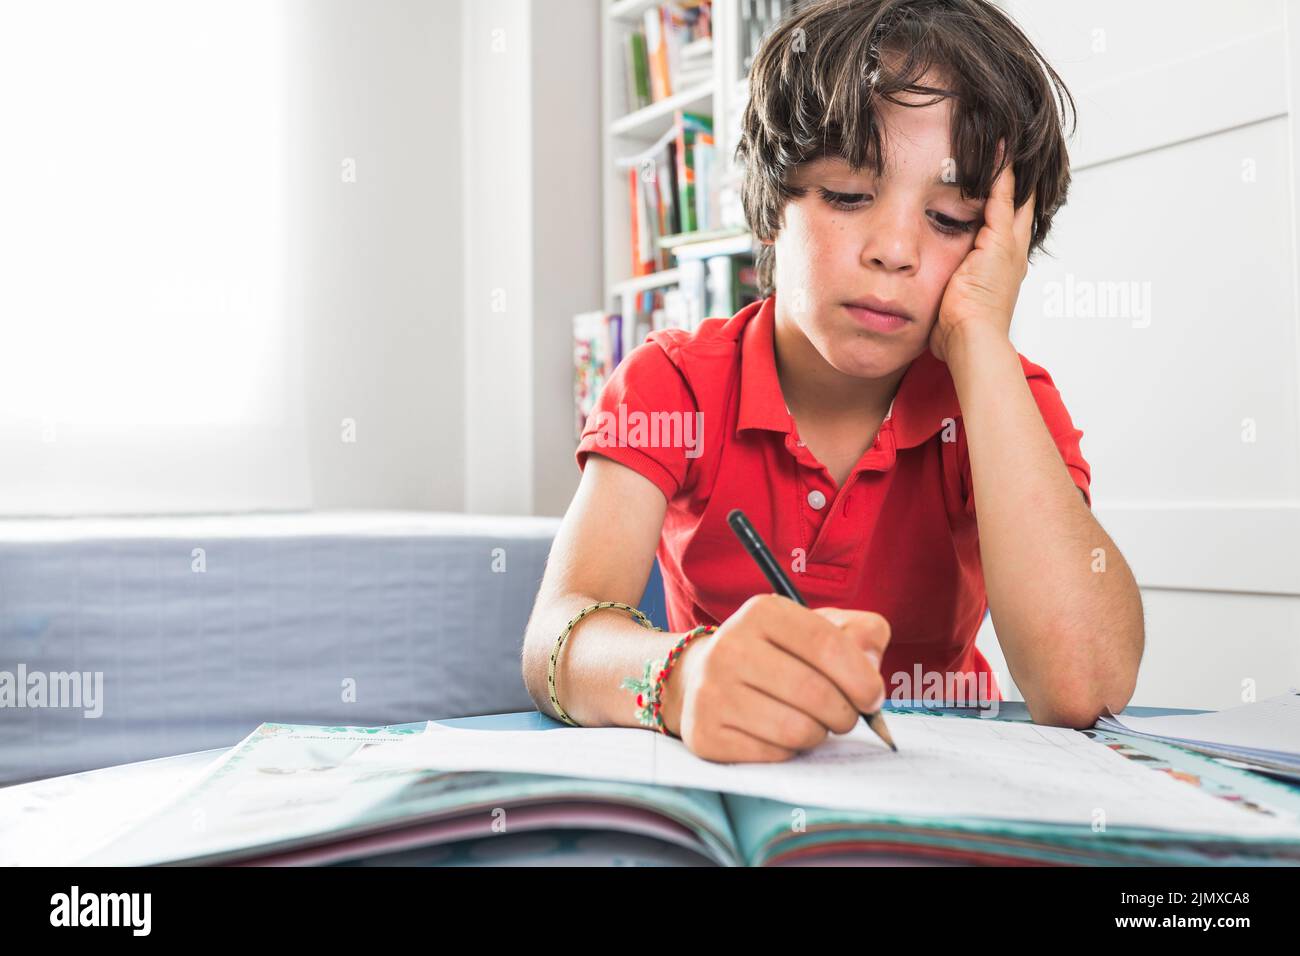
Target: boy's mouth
x=878 y=315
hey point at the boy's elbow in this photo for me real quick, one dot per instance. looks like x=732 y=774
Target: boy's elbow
x=532 y=658
x=1070 y=715
x=532 y=664
x=1066 y=705
x=1077 y=708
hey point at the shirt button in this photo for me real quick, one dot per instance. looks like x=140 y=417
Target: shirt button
x=817 y=500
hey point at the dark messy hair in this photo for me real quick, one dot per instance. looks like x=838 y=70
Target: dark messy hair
x=815 y=78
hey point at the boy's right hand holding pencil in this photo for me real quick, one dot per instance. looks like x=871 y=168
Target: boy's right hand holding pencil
x=775 y=679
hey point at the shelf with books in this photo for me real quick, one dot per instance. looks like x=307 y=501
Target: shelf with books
x=672 y=191
x=675 y=244
x=636 y=302
x=666 y=52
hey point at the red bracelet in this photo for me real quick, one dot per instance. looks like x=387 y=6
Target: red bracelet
x=650 y=686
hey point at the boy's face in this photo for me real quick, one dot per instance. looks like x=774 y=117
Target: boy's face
x=896 y=239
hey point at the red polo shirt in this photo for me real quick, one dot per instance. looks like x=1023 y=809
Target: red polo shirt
x=899 y=537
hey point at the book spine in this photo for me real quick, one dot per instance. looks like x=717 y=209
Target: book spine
x=635 y=238
x=667 y=179
x=675 y=36
x=685 y=174
x=640 y=80
x=657 y=54
x=704 y=159
x=651 y=218
x=630 y=103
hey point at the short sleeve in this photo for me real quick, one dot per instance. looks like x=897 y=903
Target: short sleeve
x=1059 y=426
x=646 y=418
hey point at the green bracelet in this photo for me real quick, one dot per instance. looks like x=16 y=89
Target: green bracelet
x=650 y=686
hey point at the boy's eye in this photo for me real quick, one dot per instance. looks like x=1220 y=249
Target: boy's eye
x=954 y=227
x=945 y=224
x=842 y=200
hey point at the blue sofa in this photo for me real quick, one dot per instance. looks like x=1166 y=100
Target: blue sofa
x=200 y=628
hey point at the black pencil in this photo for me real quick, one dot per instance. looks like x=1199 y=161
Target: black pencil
x=753 y=543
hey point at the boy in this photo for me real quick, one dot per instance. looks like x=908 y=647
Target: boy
x=870 y=416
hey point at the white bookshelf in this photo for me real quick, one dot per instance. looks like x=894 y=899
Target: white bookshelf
x=626 y=135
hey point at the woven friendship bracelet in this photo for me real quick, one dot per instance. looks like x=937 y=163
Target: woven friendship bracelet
x=559 y=644
x=650 y=686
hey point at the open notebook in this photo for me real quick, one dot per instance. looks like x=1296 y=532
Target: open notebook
x=960 y=789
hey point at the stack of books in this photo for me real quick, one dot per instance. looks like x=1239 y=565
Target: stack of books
x=672 y=51
x=671 y=191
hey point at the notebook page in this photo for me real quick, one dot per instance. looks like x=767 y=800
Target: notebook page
x=1272 y=724
x=945 y=767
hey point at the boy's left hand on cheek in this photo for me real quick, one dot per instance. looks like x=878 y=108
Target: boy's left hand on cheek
x=981 y=295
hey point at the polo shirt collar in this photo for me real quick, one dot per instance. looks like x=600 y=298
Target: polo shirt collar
x=926 y=396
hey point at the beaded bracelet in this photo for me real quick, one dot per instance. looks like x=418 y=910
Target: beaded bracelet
x=555 y=654
x=650 y=686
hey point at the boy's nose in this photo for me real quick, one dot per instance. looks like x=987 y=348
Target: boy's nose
x=891 y=242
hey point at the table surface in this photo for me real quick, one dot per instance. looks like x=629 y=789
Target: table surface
x=55 y=821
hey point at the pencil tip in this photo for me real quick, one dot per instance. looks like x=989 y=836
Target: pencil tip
x=876 y=722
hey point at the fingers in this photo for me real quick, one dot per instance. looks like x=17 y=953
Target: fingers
x=870 y=631
x=771 y=670
x=775 y=721
x=1024 y=225
x=730 y=745
x=1001 y=214
x=820 y=643
x=999 y=210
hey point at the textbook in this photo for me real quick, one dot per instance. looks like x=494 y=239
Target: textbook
x=962 y=790
x=1263 y=735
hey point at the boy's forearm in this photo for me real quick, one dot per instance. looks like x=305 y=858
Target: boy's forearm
x=604 y=647
x=1072 y=633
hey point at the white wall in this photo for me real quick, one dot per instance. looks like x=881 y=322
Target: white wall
x=498 y=276
x=567 y=244
x=378 y=263
x=1184 y=190
x=531 y=154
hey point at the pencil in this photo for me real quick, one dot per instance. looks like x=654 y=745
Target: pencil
x=753 y=543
